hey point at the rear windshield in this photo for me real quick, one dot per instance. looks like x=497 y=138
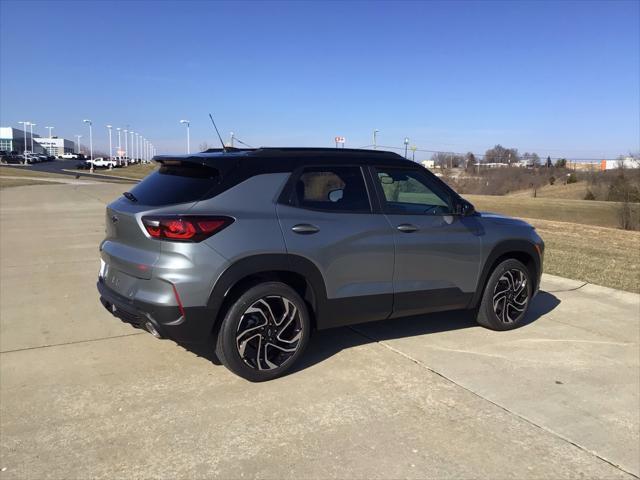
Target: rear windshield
x=176 y=184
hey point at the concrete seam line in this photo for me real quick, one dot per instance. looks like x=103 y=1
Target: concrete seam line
x=71 y=343
x=521 y=417
x=568 y=289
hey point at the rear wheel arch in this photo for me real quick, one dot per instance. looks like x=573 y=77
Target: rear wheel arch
x=521 y=250
x=297 y=272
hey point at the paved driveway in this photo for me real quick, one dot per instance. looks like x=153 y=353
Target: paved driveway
x=82 y=395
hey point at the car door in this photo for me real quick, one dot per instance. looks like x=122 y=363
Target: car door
x=328 y=219
x=437 y=260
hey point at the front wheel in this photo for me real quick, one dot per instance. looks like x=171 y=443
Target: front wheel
x=264 y=332
x=506 y=296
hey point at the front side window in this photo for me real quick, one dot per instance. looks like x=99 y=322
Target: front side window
x=411 y=192
x=335 y=189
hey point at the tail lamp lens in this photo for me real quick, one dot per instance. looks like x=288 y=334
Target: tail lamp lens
x=185 y=228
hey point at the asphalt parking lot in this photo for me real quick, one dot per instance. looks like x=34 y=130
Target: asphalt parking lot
x=82 y=395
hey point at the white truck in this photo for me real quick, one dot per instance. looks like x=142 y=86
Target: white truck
x=102 y=163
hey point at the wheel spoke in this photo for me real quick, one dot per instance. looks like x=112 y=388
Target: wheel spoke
x=269 y=332
x=511 y=295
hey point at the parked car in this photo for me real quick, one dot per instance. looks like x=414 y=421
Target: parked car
x=69 y=156
x=31 y=157
x=84 y=165
x=101 y=162
x=253 y=249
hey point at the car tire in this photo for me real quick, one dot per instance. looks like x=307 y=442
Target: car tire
x=264 y=332
x=506 y=296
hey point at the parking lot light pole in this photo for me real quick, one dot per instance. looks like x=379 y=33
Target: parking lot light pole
x=119 y=144
x=126 y=146
x=25 y=124
x=375 y=138
x=31 y=125
x=132 y=133
x=406 y=144
x=78 y=137
x=90 y=123
x=50 y=149
x=188 y=124
x=109 y=127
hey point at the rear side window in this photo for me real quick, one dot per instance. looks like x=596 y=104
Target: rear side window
x=335 y=189
x=172 y=184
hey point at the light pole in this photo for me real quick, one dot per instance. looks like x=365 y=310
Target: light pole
x=126 y=146
x=231 y=139
x=132 y=133
x=109 y=127
x=375 y=134
x=188 y=124
x=90 y=123
x=78 y=137
x=119 y=144
x=25 y=124
x=413 y=153
x=50 y=149
x=137 y=146
x=406 y=144
x=31 y=125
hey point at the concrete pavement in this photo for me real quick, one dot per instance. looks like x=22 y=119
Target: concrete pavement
x=82 y=395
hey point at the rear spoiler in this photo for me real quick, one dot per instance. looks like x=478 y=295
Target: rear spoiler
x=223 y=164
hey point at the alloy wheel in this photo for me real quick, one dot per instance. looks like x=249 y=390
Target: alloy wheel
x=269 y=333
x=511 y=295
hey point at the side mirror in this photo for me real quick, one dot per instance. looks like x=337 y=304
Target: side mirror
x=336 y=195
x=464 y=209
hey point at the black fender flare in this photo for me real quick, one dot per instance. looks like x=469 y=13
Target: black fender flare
x=264 y=263
x=505 y=248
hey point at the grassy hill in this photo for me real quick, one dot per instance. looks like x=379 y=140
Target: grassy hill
x=572 y=191
x=586 y=212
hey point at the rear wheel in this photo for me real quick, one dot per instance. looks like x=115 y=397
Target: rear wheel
x=506 y=296
x=264 y=332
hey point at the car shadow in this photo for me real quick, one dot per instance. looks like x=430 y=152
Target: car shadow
x=326 y=343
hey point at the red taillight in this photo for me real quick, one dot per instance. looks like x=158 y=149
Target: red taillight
x=186 y=228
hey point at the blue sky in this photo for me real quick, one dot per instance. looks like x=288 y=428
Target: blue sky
x=558 y=78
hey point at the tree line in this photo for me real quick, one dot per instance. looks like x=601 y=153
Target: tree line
x=497 y=154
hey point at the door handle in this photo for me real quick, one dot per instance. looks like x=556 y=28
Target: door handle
x=407 y=228
x=305 y=229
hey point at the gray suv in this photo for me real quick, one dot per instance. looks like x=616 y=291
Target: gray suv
x=254 y=249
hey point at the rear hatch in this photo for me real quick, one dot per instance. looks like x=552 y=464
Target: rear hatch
x=174 y=188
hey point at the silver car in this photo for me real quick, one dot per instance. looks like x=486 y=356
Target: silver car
x=253 y=249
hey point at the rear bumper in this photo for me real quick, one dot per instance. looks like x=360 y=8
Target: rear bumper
x=194 y=327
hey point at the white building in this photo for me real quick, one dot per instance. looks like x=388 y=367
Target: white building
x=428 y=163
x=627 y=162
x=14 y=139
x=55 y=146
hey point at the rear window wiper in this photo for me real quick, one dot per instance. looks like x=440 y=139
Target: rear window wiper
x=130 y=196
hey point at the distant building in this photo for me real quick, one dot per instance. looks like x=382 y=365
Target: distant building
x=627 y=162
x=428 y=163
x=55 y=146
x=13 y=140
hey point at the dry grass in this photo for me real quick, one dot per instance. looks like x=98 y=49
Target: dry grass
x=604 y=256
x=27 y=172
x=571 y=191
x=137 y=171
x=21 y=182
x=587 y=212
